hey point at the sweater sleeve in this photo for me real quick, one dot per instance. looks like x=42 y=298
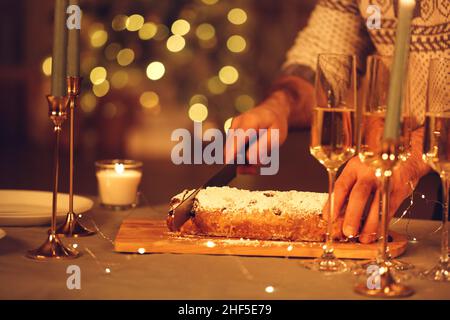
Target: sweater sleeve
x=335 y=26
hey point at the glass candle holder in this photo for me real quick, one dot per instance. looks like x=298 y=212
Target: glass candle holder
x=118 y=182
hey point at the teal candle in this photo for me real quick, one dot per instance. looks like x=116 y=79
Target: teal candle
x=73 y=45
x=59 y=50
x=399 y=70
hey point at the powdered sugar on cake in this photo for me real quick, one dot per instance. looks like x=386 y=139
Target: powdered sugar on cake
x=233 y=200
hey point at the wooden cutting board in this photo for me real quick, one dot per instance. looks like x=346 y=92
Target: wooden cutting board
x=152 y=236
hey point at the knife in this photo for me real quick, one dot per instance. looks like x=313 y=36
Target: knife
x=183 y=212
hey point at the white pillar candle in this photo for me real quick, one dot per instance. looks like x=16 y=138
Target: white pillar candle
x=118 y=186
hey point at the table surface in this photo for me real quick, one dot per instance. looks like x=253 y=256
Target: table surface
x=176 y=276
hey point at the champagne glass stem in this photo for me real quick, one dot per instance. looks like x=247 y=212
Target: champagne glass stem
x=383 y=240
x=328 y=249
x=444 y=244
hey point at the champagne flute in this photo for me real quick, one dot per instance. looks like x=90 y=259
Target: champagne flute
x=436 y=150
x=371 y=133
x=383 y=156
x=333 y=135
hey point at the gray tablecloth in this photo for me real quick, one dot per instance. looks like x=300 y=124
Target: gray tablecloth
x=175 y=276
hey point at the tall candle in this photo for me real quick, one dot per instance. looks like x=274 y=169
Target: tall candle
x=73 y=48
x=59 y=49
x=399 y=70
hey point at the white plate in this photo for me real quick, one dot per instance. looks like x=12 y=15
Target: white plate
x=2 y=233
x=32 y=208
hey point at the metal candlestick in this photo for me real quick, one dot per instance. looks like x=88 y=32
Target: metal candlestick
x=53 y=248
x=72 y=227
x=384 y=285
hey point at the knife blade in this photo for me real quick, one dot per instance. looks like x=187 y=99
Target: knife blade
x=183 y=212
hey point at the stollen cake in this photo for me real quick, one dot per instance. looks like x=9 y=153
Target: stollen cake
x=263 y=215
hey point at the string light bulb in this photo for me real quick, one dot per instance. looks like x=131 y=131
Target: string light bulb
x=269 y=289
x=210 y=244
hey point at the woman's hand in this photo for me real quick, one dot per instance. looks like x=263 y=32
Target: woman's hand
x=357 y=182
x=271 y=114
x=289 y=105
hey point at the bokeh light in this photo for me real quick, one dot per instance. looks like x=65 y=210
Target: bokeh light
x=162 y=32
x=198 y=98
x=155 y=70
x=101 y=89
x=125 y=57
x=135 y=76
x=208 y=44
x=215 y=86
x=236 y=43
x=88 y=102
x=112 y=50
x=98 y=75
x=237 y=16
x=119 y=79
x=109 y=110
x=147 y=31
x=180 y=27
x=149 y=99
x=175 y=43
x=134 y=22
x=227 y=124
x=198 y=112
x=47 y=66
x=210 y=2
x=205 y=31
x=228 y=75
x=244 y=102
x=98 y=38
x=119 y=22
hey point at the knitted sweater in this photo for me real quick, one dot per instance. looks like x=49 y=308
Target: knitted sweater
x=339 y=26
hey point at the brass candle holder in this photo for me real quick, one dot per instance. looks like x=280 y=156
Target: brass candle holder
x=53 y=248
x=385 y=285
x=72 y=226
